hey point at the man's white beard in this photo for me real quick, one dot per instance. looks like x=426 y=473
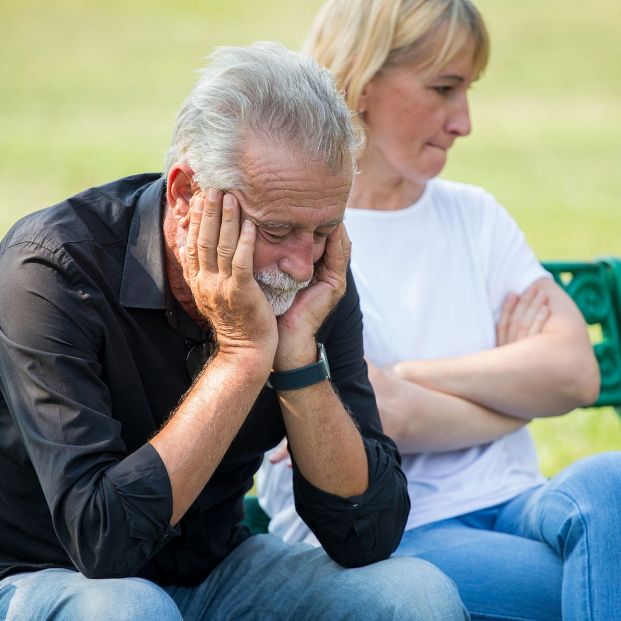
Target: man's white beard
x=279 y=288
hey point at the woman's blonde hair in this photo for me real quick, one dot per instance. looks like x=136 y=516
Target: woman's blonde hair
x=355 y=39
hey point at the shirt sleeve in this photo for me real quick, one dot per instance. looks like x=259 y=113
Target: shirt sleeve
x=362 y=529
x=101 y=499
x=509 y=263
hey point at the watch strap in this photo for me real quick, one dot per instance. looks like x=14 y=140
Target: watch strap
x=304 y=376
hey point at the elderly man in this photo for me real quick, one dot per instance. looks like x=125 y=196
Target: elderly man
x=157 y=335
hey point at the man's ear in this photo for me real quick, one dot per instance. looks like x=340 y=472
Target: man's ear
x=180 y=188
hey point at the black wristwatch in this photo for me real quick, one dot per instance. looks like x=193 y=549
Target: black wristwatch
x=304 y=376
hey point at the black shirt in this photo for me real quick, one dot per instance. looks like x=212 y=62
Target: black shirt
x=93 y=360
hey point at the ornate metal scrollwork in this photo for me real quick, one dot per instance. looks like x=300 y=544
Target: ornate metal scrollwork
x=609 y=365
x=591 y=292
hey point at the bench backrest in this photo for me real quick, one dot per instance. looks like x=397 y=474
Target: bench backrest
x=595 y=287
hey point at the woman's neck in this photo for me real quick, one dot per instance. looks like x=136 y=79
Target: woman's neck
x=379 y=188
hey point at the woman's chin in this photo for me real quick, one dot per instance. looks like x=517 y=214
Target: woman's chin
x=434 y=167
x=423 y=175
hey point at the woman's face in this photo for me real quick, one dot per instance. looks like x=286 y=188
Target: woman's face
x=414 y=117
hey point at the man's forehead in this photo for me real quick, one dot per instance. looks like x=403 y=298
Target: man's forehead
x=269 y=163
x=302 y=177
x=283 y=188
x=290 y=212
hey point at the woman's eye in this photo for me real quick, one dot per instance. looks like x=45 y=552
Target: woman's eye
x=443 y=90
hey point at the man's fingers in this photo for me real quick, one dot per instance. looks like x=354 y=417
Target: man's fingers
x=242 y=263
x=183 y=259
x=229 y=234
x=345 y=243
x=191 y=251
x=209 y=232
x=336 y=254
x=339 y=245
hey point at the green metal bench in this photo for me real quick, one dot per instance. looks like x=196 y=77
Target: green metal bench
x=255 y=518
x=595 y=287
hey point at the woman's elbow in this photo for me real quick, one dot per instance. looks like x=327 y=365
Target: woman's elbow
x=592 y=385
x=585 y=381
x=402 y=429
x=392 y=427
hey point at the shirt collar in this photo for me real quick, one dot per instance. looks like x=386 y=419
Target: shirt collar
x=144 y=274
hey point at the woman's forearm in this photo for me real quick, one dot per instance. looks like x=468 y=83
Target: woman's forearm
x=539 y=376
x=545 y=374
x=420 y=419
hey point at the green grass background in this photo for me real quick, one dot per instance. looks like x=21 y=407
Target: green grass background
x=89 y=92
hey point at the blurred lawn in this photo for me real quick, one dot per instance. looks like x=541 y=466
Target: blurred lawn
x=89 y=91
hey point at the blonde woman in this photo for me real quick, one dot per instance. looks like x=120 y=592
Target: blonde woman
x=466 y=335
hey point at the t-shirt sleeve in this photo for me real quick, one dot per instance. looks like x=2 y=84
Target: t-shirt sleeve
x=509 y=263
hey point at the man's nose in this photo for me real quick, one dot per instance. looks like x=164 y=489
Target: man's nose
x=298 y=258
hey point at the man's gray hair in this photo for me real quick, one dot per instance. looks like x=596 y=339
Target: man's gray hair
x=264 y=92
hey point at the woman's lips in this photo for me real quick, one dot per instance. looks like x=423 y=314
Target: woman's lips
x=439 y=146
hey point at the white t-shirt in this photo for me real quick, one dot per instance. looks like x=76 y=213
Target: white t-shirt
x=432 y=279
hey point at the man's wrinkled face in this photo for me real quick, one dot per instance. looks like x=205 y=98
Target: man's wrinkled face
x=295 y=205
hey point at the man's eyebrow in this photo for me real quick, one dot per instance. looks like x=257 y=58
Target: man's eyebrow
x=332 y=223
x=280 y=225
x=273 y=224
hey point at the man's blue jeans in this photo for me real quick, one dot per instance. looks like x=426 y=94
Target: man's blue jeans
x=263 y=579
x=553 y=552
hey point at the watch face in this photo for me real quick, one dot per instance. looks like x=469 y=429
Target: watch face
x=323 y=358
x=197 y=358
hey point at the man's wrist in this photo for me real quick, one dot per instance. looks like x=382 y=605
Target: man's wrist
x=294 y=355
x=253 y=363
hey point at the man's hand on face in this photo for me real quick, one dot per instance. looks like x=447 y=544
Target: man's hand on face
x=299 y=325
x=217 y=263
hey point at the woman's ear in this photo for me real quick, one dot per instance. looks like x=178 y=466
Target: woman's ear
x=363 y=100
x=180 y=188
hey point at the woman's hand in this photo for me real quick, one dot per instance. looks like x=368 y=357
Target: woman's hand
x=522 y=315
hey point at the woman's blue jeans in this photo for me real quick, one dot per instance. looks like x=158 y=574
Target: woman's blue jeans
x=553 y=552
x=263 y=579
